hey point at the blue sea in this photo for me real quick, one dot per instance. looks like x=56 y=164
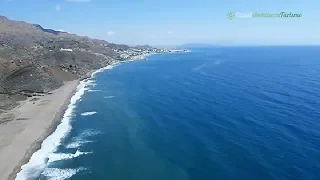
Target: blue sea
x=223 y=113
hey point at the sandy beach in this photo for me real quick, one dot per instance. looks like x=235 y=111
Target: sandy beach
x=29 y=124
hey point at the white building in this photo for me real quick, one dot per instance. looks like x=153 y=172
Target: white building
x=67 y=50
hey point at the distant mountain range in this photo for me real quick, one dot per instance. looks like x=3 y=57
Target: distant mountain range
x=197 y=45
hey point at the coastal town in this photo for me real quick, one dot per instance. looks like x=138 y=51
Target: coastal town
x=134 y=52
x=140 y=53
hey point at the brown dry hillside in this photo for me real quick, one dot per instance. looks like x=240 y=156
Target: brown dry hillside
x=37 y=60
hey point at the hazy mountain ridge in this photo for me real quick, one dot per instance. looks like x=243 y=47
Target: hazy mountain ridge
x=197 y=45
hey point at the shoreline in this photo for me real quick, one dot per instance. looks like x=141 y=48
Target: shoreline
x=54 y=122
x=33 y=122
x=51 y=124
x=37 y=145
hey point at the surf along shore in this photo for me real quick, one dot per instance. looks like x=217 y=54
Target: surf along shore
x=33 y=122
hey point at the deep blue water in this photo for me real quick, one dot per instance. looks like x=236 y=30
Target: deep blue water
x=213 y=114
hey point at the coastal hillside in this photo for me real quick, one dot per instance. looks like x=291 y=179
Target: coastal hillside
x=35 y=60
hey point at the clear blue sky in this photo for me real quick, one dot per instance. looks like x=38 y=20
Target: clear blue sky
x=171 y=22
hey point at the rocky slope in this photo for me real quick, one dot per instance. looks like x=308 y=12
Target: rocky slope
x=36 y=60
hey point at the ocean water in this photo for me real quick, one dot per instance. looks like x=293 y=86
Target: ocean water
x=218 y=113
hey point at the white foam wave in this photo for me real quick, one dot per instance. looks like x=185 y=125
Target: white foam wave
x=38 y=160
x=62 y=156
x=103 y=69
x=91 y=83
x=109 y=97
x=61 y=174
x=92 y=90
x=88 y=113
x=88 y=133
x=80 y=140
x=77 y=143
